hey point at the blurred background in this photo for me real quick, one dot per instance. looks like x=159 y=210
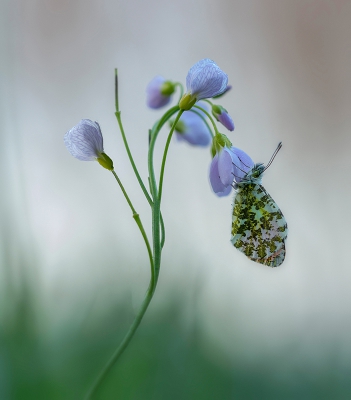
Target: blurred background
x=73 y=265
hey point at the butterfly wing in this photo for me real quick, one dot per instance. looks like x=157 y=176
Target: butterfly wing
x=259 y=229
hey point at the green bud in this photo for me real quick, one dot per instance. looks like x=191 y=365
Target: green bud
x=105 y=161
x=218 y=142
x=167 y=88
x=217 y=110
x=187 y=101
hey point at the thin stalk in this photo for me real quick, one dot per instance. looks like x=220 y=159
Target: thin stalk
x=210 y=118
x=126 y=145
x=204 y=120
x=154 y=191
x=138 y=222
x=143 y=307
x=165 y=153
x=125 y=341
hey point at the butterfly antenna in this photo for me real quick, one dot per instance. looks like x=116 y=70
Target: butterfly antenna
x=245 y=172
x=273 y=156
x=243 y=162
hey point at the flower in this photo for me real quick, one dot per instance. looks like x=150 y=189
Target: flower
x=159 y=92
x=228 y=165
x=221 y=115
x=192 y=129
x=84 y=141
x=205 y=79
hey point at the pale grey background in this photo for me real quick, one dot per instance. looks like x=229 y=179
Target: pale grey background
x=289 y=65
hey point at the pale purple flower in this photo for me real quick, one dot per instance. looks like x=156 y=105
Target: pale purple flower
x=205 y=79
x=192 y=129
x=221 y=115
x=158 y=92
x=84 y=141
x=228 y=166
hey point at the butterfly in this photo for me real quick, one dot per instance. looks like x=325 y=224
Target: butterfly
x=259 y=229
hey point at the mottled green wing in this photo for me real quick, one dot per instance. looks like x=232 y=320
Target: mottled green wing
x=259 y=229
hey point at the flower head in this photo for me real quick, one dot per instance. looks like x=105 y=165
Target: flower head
x=84 y=141
x=159 y=92
x=192 y=129
x=221 y=115
x=229 y=165
x=204 y=80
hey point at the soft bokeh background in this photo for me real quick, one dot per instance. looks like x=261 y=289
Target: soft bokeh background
x=73 y=266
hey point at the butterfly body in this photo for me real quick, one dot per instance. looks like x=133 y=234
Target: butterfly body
x=259 y=228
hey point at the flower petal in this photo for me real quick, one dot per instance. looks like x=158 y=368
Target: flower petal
x=243 y=164
x=195 y=131
x=225 y=119
x=84 y=141
x=217 y=186
x=225 y=166
x=205 y=79
x=154 y=98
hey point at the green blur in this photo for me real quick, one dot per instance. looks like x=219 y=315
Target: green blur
x=167 y=359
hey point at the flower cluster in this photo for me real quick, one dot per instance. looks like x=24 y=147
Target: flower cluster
x=205 y=80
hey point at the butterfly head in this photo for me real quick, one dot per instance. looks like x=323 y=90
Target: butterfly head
x=256 y=172
x=254 y=175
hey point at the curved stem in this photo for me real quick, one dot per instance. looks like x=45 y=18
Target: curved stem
x=181 y=89
x=139 y=223
x=156 y=213
x=124 y=192
x=125 y=341
x=126 y=145
x=208 y=101
x=143 y=307
x=166 y=151
x=204 y=120
x=210 y=118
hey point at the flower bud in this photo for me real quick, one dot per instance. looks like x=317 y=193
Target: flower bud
x=221 y=115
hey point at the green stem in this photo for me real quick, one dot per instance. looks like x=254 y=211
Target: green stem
x=119 y=120
x=125 y=341
x=143 y=307
x=156 y=213
x=126 y=145
x=210 y=118
x=208 y=101
x=204 y=119
x=181 y=89
x=138 y=222
x=165 y=153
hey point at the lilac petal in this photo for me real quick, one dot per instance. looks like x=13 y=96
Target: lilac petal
x=196 y=131
x=225 y=192
x=225 y=119
x=154 y=98
x=216 y=183
x=225 y=166
x=84 y=141
x=244 y=164
x=205 y=79
x=215 y=180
